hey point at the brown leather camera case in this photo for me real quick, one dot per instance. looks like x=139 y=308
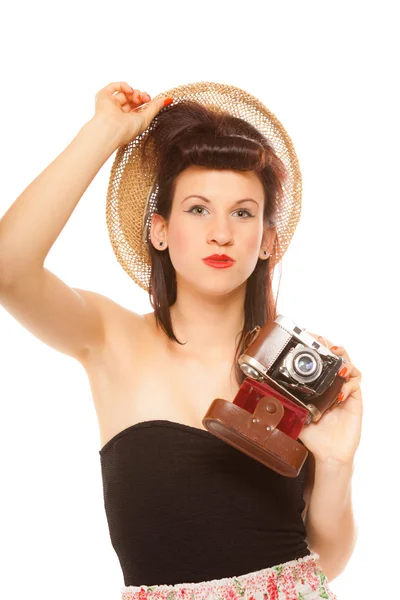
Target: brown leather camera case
x=256 y=434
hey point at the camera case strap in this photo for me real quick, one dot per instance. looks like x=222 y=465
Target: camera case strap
x=251 y=426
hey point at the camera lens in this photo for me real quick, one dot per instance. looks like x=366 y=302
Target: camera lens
x=305 y=364
x=302 y=364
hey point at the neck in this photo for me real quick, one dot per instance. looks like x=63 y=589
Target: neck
x=209 y=324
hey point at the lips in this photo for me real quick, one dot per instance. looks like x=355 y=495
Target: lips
x=219 y=257
x=219 y=261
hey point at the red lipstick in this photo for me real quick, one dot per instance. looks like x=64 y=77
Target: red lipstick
x=219 y=257
x=219 y=261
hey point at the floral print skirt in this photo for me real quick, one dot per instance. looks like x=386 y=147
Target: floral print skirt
x=299 y=579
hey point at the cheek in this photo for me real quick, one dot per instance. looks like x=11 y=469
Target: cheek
x=180 y=243
x=252 y=244
x=180 y=232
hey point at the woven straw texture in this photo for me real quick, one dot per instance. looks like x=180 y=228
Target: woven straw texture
x=132 y=189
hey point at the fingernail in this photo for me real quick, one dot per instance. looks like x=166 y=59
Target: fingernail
x=334 y=347
x=343 y=372
x=168 y=101
x=341 y=397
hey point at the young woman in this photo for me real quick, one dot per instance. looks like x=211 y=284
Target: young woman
x=188 y=514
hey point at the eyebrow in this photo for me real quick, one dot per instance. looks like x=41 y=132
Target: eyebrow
x=207 y=200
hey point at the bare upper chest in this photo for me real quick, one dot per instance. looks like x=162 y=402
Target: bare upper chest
x=137 y=377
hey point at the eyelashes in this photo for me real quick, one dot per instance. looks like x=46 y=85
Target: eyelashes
x=243 y=210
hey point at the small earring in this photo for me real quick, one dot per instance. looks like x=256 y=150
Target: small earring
x=161 y=243
x=265 y=253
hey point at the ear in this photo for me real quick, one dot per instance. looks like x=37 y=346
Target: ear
x=158 y=230
x=268 y=240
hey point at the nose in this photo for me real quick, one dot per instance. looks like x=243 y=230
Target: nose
x=220 y=232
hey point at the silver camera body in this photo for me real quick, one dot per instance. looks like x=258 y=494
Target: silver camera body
x=294 y=363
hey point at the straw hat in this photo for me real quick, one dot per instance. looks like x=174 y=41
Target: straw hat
x=132 y=189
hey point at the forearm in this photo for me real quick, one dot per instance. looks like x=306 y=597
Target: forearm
x=330 y=524
x=34 y=221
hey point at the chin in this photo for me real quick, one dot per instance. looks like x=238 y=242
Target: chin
x=217 y=288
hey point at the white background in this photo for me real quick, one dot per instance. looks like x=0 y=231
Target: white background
x=329 y=71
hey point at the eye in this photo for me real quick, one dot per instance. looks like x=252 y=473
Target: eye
x=197 y=213
x=241 y=210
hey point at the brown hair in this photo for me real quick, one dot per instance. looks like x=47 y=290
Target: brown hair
x=186 y=134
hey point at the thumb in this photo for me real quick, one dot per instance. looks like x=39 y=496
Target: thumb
x=150 y=110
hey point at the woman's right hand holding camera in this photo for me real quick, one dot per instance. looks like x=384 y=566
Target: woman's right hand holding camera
x=130 y=110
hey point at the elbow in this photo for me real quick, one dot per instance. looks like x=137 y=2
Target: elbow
x=334 y=555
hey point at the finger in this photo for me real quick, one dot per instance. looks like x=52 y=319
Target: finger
x=111 y=88
x=316 y=337
x=131 y=100
x=352 y=371
x=355 y=373
x=325 y=341
x=127 y=108
x=133 y=96
x=349 y=388
x=150 y=110
x=145 y=97
x=123 y=102
x=347 y=370
x=321 y=339
x=340 y=351
x=122 y=98
x=136 y=97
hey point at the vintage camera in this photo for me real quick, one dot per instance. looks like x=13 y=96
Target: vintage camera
x=294 y=363
x=291 y=380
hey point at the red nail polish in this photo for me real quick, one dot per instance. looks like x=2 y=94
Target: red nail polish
x=340 y=397
x=343 y=372
x=334 y=347
x=168 y=101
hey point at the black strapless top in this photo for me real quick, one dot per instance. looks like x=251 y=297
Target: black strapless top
x=184 y=506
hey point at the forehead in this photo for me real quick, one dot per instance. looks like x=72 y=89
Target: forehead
x=216 y=184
